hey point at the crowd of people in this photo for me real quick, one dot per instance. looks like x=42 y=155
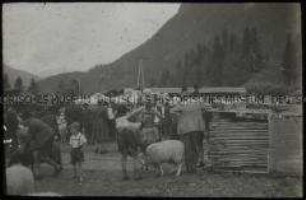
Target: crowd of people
x=39 y=135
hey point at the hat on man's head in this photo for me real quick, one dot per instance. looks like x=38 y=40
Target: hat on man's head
x=75 y=125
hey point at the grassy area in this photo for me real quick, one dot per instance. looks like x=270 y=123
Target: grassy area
x=107 y=181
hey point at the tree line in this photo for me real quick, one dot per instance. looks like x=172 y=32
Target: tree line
x=231 y=60
x=19 y=85
x=68 y=87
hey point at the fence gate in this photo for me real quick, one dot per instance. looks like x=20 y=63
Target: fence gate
x=239 y=143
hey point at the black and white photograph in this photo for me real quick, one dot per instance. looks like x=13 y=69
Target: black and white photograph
x=152 y=99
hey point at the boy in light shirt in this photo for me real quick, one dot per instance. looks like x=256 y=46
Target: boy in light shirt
x=77 y=141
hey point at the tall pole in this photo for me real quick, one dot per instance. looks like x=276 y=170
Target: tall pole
x=143 y=80
x=79 y=87
x=138 y=78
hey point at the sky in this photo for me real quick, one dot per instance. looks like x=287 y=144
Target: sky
x=52 y=38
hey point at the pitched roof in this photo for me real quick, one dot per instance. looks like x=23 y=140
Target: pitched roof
x=222 y=90
x=201 y=90
x=166 y=90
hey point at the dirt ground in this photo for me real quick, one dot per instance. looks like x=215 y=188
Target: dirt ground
x=103 y=177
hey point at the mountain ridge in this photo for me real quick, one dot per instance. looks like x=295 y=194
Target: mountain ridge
x=194 y=24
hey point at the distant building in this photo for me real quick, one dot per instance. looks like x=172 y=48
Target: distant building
x=171 y=91
x=222 y=90
x=231 y=97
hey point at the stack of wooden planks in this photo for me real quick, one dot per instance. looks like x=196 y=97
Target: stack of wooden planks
x=239 y=144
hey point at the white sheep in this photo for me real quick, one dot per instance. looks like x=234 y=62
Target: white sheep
x=168 y=151
x=19 y=180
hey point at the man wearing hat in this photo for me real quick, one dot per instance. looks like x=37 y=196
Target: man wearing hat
x=190 y=128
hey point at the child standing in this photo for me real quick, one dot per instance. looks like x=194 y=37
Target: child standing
x=77 y=141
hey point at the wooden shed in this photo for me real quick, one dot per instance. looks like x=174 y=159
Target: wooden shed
x=255 y=142
x=239 y=142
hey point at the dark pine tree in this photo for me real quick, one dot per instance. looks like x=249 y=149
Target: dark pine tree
x=6 y=82
x=186 y=69
x=164 y=78
x=289 y=69
x=217 y=63
x=61 y=86
x=178 y=74
x=75 y=86
x=256 y=58
x=18 y=86
x=251 y=55
x=33 y=87
x=225 y=40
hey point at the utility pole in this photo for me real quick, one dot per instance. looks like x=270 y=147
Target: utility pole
x=139 y=74
x=79 y=86
x=141 y=77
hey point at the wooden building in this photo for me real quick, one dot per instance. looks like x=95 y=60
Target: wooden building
x=256 y=143
x=230 y=97
x=170 y=91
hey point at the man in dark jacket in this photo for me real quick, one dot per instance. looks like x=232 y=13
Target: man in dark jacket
x=40 y=143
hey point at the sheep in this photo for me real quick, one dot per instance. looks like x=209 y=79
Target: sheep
x=167 y=151
x=19 y=180
x=45 y=194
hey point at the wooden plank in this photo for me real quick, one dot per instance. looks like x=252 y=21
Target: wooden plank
x=240 y=146
x=255 y=168
x=243 y=123
x=233 y=134
x=239 y=126
x=237 y=154
x=243 y=149
x=236 y=160
x=240 y=141
x=228 y=131
x=240 y=162
x=244 y=142
x=246 y=136
x=251 y=171
x=231 y=160
x=262 y=166
x=249 y=166
x=239 y=136
x=256 y=146
x=256 y=126
x=237 y=129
